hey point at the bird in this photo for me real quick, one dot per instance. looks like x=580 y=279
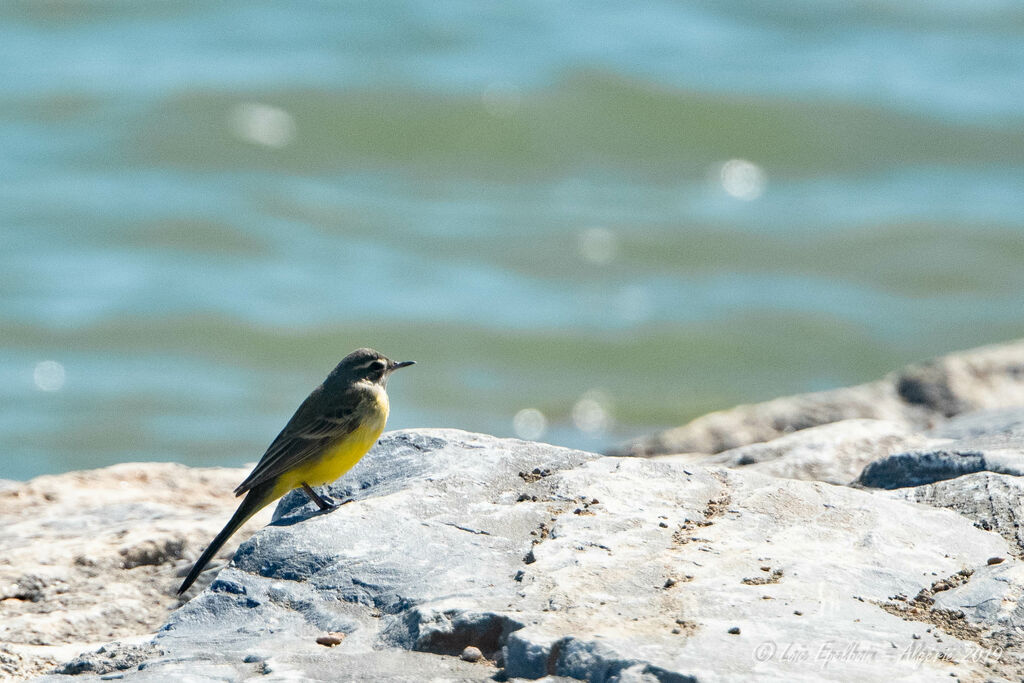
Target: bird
x=334 y=427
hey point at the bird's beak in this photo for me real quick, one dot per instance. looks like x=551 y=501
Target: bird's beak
x=403 y=364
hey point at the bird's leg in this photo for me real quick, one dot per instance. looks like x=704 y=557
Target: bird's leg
x=323 y=503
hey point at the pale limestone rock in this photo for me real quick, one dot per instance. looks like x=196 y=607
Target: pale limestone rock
x=87 y=557
x=920 y=396
x=835 y=453
x=557 y=562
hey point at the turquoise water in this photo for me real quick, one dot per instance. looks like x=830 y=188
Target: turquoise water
x=612 y=216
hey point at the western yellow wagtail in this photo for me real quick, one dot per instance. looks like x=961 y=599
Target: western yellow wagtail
x=333 y=428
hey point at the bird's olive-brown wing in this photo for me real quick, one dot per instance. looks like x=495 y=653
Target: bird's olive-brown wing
x=318 y=424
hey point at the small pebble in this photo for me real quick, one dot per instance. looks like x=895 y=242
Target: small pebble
x=798 y=613
x=996 y=560
x=663 y=525
x=735 y=630
x=471 y=654
x=331 y=639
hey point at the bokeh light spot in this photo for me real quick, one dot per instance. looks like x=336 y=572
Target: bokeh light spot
x=598 y=246
x=742 y=179
x=591 y=414
x=262 y=124
x=49 y=375
x=530 y=424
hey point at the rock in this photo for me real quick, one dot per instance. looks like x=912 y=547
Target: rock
x=330 y=639
x=471 y=654
x=88 y=557
x=924 y=467
x=108 y=658
x=983 y=426
x=918 y=396
x=835 y=453
x=153 y=552
x=759 y=422
x=994 y=502
x=13 y=666
x=991 y=442
x=984 y=378
x=441 y=551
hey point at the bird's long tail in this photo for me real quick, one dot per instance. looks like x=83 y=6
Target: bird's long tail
x=255 y=500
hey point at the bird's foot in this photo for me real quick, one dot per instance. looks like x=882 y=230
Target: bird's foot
x=333 y=504
x=325 y=503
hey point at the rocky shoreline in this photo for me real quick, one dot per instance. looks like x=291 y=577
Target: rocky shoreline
x=855 y=534
x=918 y=398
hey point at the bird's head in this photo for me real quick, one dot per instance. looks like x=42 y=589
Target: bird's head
x=368 y=365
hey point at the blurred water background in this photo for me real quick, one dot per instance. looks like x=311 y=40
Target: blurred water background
x=585 y=220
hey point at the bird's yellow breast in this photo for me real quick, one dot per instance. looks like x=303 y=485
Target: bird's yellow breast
x=342 y=456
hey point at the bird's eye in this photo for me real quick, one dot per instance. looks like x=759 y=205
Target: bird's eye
x=377 y=366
